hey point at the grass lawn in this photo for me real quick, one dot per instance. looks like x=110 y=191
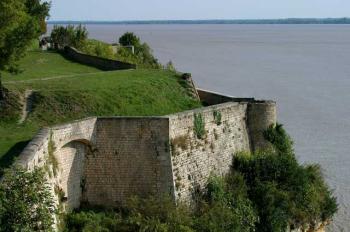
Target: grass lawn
x=39 y=64
x=58 y=100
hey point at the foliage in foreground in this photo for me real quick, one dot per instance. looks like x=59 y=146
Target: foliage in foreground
x=26 y=203
x=267 y=191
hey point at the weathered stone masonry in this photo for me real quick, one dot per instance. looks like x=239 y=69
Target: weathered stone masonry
x=104 y=161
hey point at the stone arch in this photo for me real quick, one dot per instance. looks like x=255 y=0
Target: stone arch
x=71 y=159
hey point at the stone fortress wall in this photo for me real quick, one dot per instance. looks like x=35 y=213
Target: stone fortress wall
x=104 y=161
x=95 y=61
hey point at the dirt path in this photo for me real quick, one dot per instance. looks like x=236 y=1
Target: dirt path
x=27 y=105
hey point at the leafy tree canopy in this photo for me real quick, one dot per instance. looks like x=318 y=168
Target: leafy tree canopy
x=130 y=39
x=142 y=55
x=26 y=202
x=20 y=23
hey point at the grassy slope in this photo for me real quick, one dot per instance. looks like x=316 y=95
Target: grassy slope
x=40 y=64
x=131 y=93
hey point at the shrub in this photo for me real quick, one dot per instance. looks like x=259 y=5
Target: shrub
x=284 y=192
x=129 y=39
x=217 y=117
x=69 y=36
x=199 y=126
x=97 y=48
x=280 y=140
x=26 y=202
x=143 y=56
x=170 y=66
x=156 y=215
x=149 y=214
x=228 y=208
x=91 y=221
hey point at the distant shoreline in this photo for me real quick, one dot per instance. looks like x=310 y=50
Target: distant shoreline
x=214 y=21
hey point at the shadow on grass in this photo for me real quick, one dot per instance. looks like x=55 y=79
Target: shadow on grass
x=10 y=156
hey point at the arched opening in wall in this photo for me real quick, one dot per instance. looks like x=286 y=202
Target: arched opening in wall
x=71 y=159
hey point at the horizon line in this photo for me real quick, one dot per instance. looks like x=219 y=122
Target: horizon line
x=339 y=20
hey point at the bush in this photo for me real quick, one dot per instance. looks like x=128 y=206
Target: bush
x=143 y=56
x=97 y=48
x=130 y=39
x=69 y=36
x=139 y=215
x=219 y=209
x=284 y=192
x=199 y=126
x=225 y=206
x=26 y=202
x=170 y=66
x=93 y=221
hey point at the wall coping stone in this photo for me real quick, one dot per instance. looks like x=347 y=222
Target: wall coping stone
x=238 y=99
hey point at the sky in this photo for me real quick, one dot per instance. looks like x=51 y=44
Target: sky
x=118 y=10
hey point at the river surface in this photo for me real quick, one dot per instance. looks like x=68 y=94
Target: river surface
x=305 y=68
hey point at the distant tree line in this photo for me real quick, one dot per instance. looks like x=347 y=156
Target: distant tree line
x=220 y=21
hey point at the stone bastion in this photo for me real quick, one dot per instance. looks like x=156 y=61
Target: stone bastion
x=103 y=161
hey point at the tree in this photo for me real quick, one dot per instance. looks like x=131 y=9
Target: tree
x=20 y=23
x=40 y=11
x=129 y=39
x=26 y=202
x=142 y=54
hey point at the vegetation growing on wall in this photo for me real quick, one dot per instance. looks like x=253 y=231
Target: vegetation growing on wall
x=26 y=202
x=181 y=141
x=199 y=126
x=217 y=117
x=51 y=159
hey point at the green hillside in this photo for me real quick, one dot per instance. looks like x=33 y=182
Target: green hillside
x=38 y=64
x=65 y=91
